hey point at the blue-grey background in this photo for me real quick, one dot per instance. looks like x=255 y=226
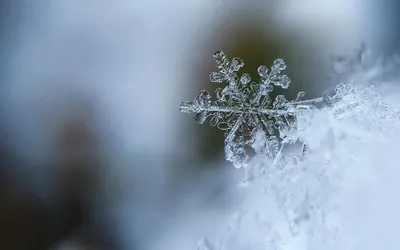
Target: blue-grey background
x=115 y=72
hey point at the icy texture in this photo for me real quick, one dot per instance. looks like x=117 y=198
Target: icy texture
x=245 y=111
x=341 y=194
x=342 y=141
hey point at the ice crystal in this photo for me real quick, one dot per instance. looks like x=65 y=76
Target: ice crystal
x=349 y=145
x=244 y=110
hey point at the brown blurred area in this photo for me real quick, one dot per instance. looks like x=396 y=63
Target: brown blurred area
x=65 y=220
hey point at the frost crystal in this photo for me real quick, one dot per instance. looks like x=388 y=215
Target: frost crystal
x=314 y=201
x=245 y=111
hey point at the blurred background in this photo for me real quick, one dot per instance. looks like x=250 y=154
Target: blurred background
x=94 y=152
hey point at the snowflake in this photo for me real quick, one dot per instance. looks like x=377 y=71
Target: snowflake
x=245 y=111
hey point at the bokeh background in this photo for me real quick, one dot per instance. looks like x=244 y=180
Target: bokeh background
x=94 y=151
